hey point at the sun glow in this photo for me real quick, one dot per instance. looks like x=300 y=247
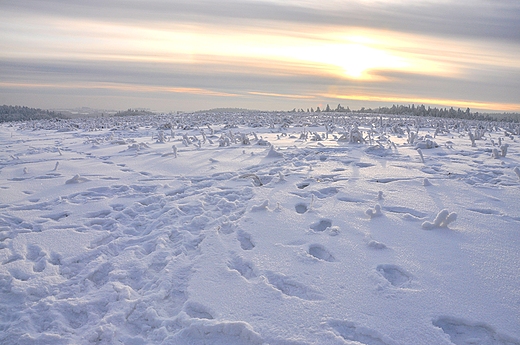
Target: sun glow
x=356 y=60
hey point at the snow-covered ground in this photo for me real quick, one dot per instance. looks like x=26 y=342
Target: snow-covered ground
x=266 y=229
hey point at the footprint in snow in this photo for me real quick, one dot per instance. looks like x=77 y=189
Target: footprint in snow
x=395 y=275
x=303 y=184
x=361 y=335
x=99 y=214
x=319 y=252
x=100 y=275
x=212 y=332
x=290 y=287
x=38 y=256
x=246 y=242
x=463 y=332
x=198 y=311
x=244 y=267
x=321 y=225
x=373 y=244
x=325 y=192
x=301 y=208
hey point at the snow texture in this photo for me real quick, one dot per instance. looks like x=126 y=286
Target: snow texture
x=259 y=228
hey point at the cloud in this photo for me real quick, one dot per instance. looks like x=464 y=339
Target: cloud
x=271 y=94
x=276 y=51
x=476 y=19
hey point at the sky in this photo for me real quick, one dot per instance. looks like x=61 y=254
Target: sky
x=182 y=55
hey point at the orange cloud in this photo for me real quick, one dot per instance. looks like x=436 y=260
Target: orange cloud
x=122 y=87
x=280 y=95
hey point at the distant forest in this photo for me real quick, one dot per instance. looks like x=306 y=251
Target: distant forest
x=18 y=113
x=420 y=110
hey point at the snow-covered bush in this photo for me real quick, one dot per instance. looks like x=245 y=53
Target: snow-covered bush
x=161 y=138
x=503 y=149
x=442 y=220
x=273 y=153
x=419 y=151
x=375 y=212
x=517 y=171
x=426 y=144
x=494 y=153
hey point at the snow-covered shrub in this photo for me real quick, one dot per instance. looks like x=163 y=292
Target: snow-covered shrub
x=442 y=220
x=503 y=149
x=517 y=171
x=273 y=153
x=419 y=151
x=412 y=136
x=223 y=141
x=472 y=138
x=262 y=207
x=77 y=179
x=161 y=138
x=316 y=137
x=426 y=144
x=355 y=136
x=244 y=139
x=375 y=212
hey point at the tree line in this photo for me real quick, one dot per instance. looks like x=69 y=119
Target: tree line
x=419 y=110
x=19 y=113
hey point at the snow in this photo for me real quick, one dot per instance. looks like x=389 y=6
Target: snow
x=259 y=228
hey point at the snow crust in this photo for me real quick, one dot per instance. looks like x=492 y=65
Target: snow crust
x=259 y=228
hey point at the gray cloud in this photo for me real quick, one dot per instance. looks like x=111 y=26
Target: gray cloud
x=495 y=21
x=488 y=85
x=476 y=19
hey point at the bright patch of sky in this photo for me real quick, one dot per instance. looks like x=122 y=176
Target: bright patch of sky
x=368 y=52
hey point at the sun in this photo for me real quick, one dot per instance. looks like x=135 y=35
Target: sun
x=357 y=60
x=352 y=60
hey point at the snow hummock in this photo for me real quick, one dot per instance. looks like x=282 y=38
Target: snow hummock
x=259 y=228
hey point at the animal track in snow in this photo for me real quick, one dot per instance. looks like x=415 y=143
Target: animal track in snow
x=463 y=332
x=394 y=274
x=246 y=242
x=301 y=208
x=361 y=335
x=322 y=225
x=319 y=252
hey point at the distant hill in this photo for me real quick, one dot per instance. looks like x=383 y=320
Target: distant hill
x=227 y=110
x=18 y=113
x=133 y=112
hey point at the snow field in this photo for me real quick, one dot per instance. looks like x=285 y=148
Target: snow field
x=297 y=241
